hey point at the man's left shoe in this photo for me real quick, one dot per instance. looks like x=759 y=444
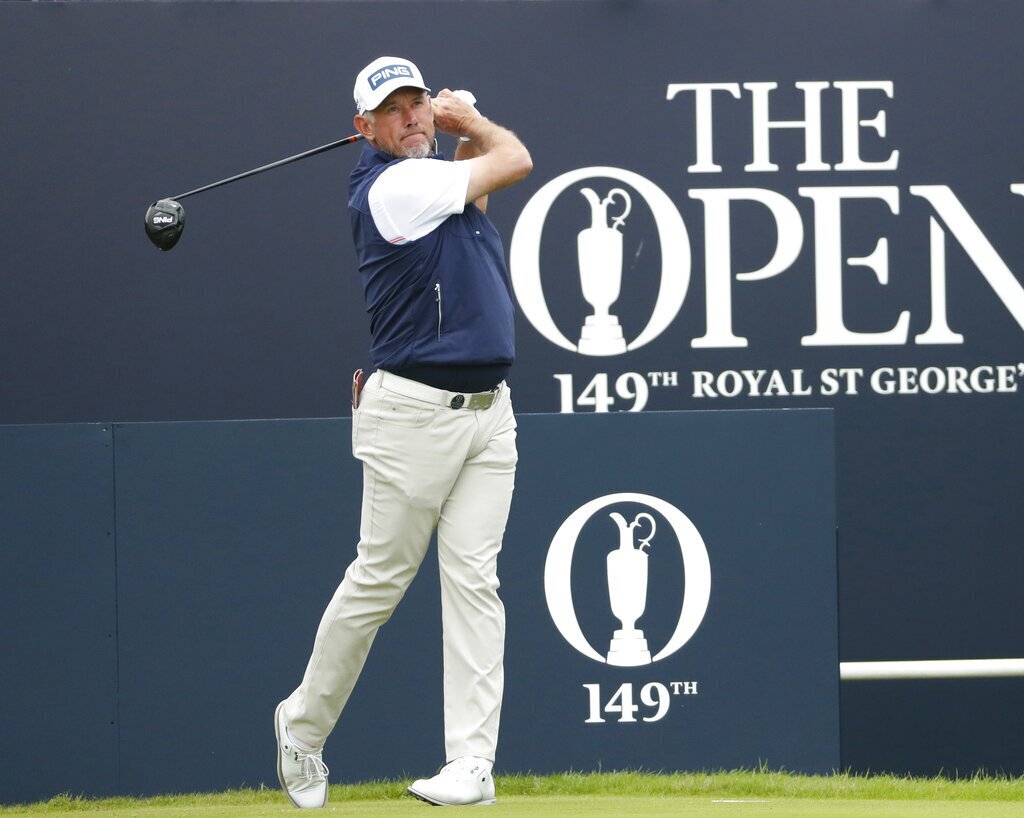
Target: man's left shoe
x=465 y=782
x=302 y=773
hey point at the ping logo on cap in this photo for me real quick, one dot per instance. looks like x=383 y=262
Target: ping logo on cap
x=389 y=72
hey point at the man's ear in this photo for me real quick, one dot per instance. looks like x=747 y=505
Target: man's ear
x=364 y=126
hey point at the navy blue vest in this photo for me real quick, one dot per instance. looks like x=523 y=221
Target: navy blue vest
x=441 y=300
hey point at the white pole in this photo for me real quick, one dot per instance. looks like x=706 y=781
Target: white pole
x=938 y=669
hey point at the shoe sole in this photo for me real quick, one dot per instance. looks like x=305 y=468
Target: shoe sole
x=487 y=802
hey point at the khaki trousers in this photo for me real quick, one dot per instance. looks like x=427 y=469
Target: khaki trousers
x=425 y=466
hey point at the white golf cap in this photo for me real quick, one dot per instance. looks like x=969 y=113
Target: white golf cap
x=381 y=77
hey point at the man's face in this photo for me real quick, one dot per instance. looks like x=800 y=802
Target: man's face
x=402 y=124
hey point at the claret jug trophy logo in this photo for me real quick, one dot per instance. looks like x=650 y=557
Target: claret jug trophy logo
x=627 y=564
x=599 y=253
x=599 y=248
x=627 y=590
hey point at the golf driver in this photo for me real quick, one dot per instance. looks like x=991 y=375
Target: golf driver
x=165 y=219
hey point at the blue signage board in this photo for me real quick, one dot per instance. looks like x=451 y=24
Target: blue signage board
x=670 y=586
x=669 y=580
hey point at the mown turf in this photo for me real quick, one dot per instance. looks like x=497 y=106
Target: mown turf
x=645 y=795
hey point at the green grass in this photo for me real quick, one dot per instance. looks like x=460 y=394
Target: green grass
x=724 y=795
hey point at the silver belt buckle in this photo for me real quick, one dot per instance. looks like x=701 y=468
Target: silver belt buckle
x=481 y=400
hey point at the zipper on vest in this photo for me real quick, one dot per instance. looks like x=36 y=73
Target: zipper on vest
x=437 y=291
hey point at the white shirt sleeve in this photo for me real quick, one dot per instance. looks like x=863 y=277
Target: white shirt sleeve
x=414 y=197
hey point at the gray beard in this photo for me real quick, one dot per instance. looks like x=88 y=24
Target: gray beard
x=417 y=152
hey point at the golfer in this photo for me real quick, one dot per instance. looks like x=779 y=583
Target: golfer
x=433 y=426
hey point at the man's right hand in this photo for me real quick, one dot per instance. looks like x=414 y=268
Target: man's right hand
x=452 y=113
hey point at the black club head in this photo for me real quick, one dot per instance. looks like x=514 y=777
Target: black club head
x=165 y=221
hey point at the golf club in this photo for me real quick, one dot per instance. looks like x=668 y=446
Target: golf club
x=165 y=219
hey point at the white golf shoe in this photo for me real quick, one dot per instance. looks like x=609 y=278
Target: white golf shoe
x=303 y=774
x=465 y=782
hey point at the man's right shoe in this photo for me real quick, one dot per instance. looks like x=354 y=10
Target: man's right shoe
x=303 y=774
x=465 y=782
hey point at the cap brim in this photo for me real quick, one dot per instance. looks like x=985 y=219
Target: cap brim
x=377 y=99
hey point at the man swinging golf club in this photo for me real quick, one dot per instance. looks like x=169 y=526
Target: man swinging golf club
x=434 y=426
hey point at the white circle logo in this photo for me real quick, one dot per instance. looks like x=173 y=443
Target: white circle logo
x=627 y=579
x=599 y=250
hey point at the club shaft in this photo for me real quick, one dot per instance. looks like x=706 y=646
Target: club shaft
x=348 y=140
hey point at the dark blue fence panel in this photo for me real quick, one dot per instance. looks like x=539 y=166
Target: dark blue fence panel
x=231 y=539
x=58 y=677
